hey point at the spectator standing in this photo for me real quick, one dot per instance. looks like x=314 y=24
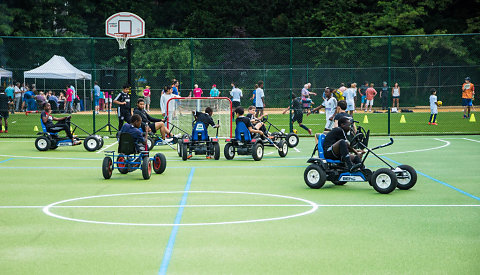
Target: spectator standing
x=101 y=102
x=259 y=99
x=3 y=111
x=97 y=92
x=363 y=96
x=197 y=92
x=433 y=107
x=10 y=92
x=108 y=100
x=175 y=89
x=468 y=93
x=350 y=95
x=253 y=94
x=69 y=100
x=236 y=95
x=164 y=101
x=395 y=98
x=306 y=95
x=214 y=92
x=384 y=95
x=124 y=110
x=18 y=97
x=62 y=102
x=147 y=98
x=371 y=93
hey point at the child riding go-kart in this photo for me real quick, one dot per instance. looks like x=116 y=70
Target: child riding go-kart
x=383 y=180
x=291 y=139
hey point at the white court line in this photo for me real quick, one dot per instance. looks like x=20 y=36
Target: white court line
x=295 y=148
x=106 y=147
x=240 y=205
x=447 y=143
x=471 y=140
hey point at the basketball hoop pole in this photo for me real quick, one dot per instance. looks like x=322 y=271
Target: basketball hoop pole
x=129 y=63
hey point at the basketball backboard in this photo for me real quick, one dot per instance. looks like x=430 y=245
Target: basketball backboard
x=125 y=23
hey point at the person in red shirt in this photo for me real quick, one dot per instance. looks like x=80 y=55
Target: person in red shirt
x=371 y=93
x=69 y=94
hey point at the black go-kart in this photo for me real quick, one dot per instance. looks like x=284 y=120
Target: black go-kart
x=156 y=140
x=129 y=159
x=279 y=135
x=48 y=140
x=383 y=180
x=199 y=143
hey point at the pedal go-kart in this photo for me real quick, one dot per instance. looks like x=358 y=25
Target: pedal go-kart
x=199 y=143
x=383 y=180
x=155 y=140
x=290 y=138
x=47 y=140
x=130 y=159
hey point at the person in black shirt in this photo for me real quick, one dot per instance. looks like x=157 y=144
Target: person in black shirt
x=341 y=112
x=62 y=124
x=256 y=121
x=123 y=102
x=206 y=117
x=297 y=114
x=3 y=110
x=336 y=146
x=150 y=123
x=132 y=128
x=241 y=118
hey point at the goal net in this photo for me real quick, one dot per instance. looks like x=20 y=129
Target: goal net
x=180 y=114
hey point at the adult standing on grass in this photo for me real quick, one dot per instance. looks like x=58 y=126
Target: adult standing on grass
x=164 y=101
x=350 y=95
x=363 y=96
x=214 y=92
x=468 y=93
x=384 y=95
x=371 y=93
x=147 y=98
x=395 y=97
x=10 y=90
x=3 y=110
x=236 y=95
x=69 y=95
x=18 y=97
x=97 y=92
x=259 y=99
x=124 y=110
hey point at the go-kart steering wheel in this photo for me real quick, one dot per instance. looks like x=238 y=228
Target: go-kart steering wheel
x=265 y=118
x=357 y=138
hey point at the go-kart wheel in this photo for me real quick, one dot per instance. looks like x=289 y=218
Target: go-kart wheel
x=53 y=145
x=107 y=167
x=122 y=167
x=283 y=148
x=229 y=151
x=102 y=142
x=216 y=151
x=184 y=151
x=406 y=179
x=150 y=143
x=292 y=140
x=179 y=148
x=146 y=168
x=384 y=180
x=337 y=182
x=314 y=176
x=43 y=143
x=159 y=163
x=91 y=143
x=257 y=151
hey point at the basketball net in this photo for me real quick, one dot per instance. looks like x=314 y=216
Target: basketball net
x=122 y=39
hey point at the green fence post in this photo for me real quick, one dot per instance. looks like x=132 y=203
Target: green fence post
x=389 y=78
x=192 y=73
x=291 y=83
x=94 y=74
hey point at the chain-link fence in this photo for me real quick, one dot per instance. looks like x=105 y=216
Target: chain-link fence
x=416 y=63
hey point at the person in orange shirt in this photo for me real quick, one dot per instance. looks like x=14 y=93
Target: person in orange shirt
x=468 y=92
x=371 y=93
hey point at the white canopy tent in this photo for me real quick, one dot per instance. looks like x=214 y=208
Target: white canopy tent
x=5 y=73
x=58 y=68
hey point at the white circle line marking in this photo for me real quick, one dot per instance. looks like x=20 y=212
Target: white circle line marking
x=447 y=143
x=313 y=205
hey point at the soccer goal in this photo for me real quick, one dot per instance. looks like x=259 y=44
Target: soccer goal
x=180 y=114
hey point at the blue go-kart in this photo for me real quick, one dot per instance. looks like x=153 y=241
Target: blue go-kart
x=243 y=144
x=129 y=159
x=199 y=143
x=383 y=180
x=48 y=140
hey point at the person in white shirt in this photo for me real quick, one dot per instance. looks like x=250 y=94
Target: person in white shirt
x=164 y=100
x=259 y=99
x=350 y=95
x=18 y=97
x=330 y=105
x=433 y=107
x=236 y=95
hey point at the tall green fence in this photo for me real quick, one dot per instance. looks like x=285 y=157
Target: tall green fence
x=416 y=63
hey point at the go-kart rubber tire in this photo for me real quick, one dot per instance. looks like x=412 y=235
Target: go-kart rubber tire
x=150 y=143
x=216 y=151
x=179 y=148
x=43 y=143
x=229 y=151
x=336 y=182
x=257 y=151
x=122 y=169
x=91 y=143
x=107 y=167
x=159 y=163
x=53 y=145
x=413 y=178
x=184 y=151
x=102 y=142
x=292 y=140
x=314 y=176
x=385 y=177
x=146 y=168
x=283 y=148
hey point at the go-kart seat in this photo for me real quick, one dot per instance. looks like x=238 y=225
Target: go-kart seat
x=321 y=155
x=200 y=132
x=44 y=128
x=242 y=133
x=126 y=144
